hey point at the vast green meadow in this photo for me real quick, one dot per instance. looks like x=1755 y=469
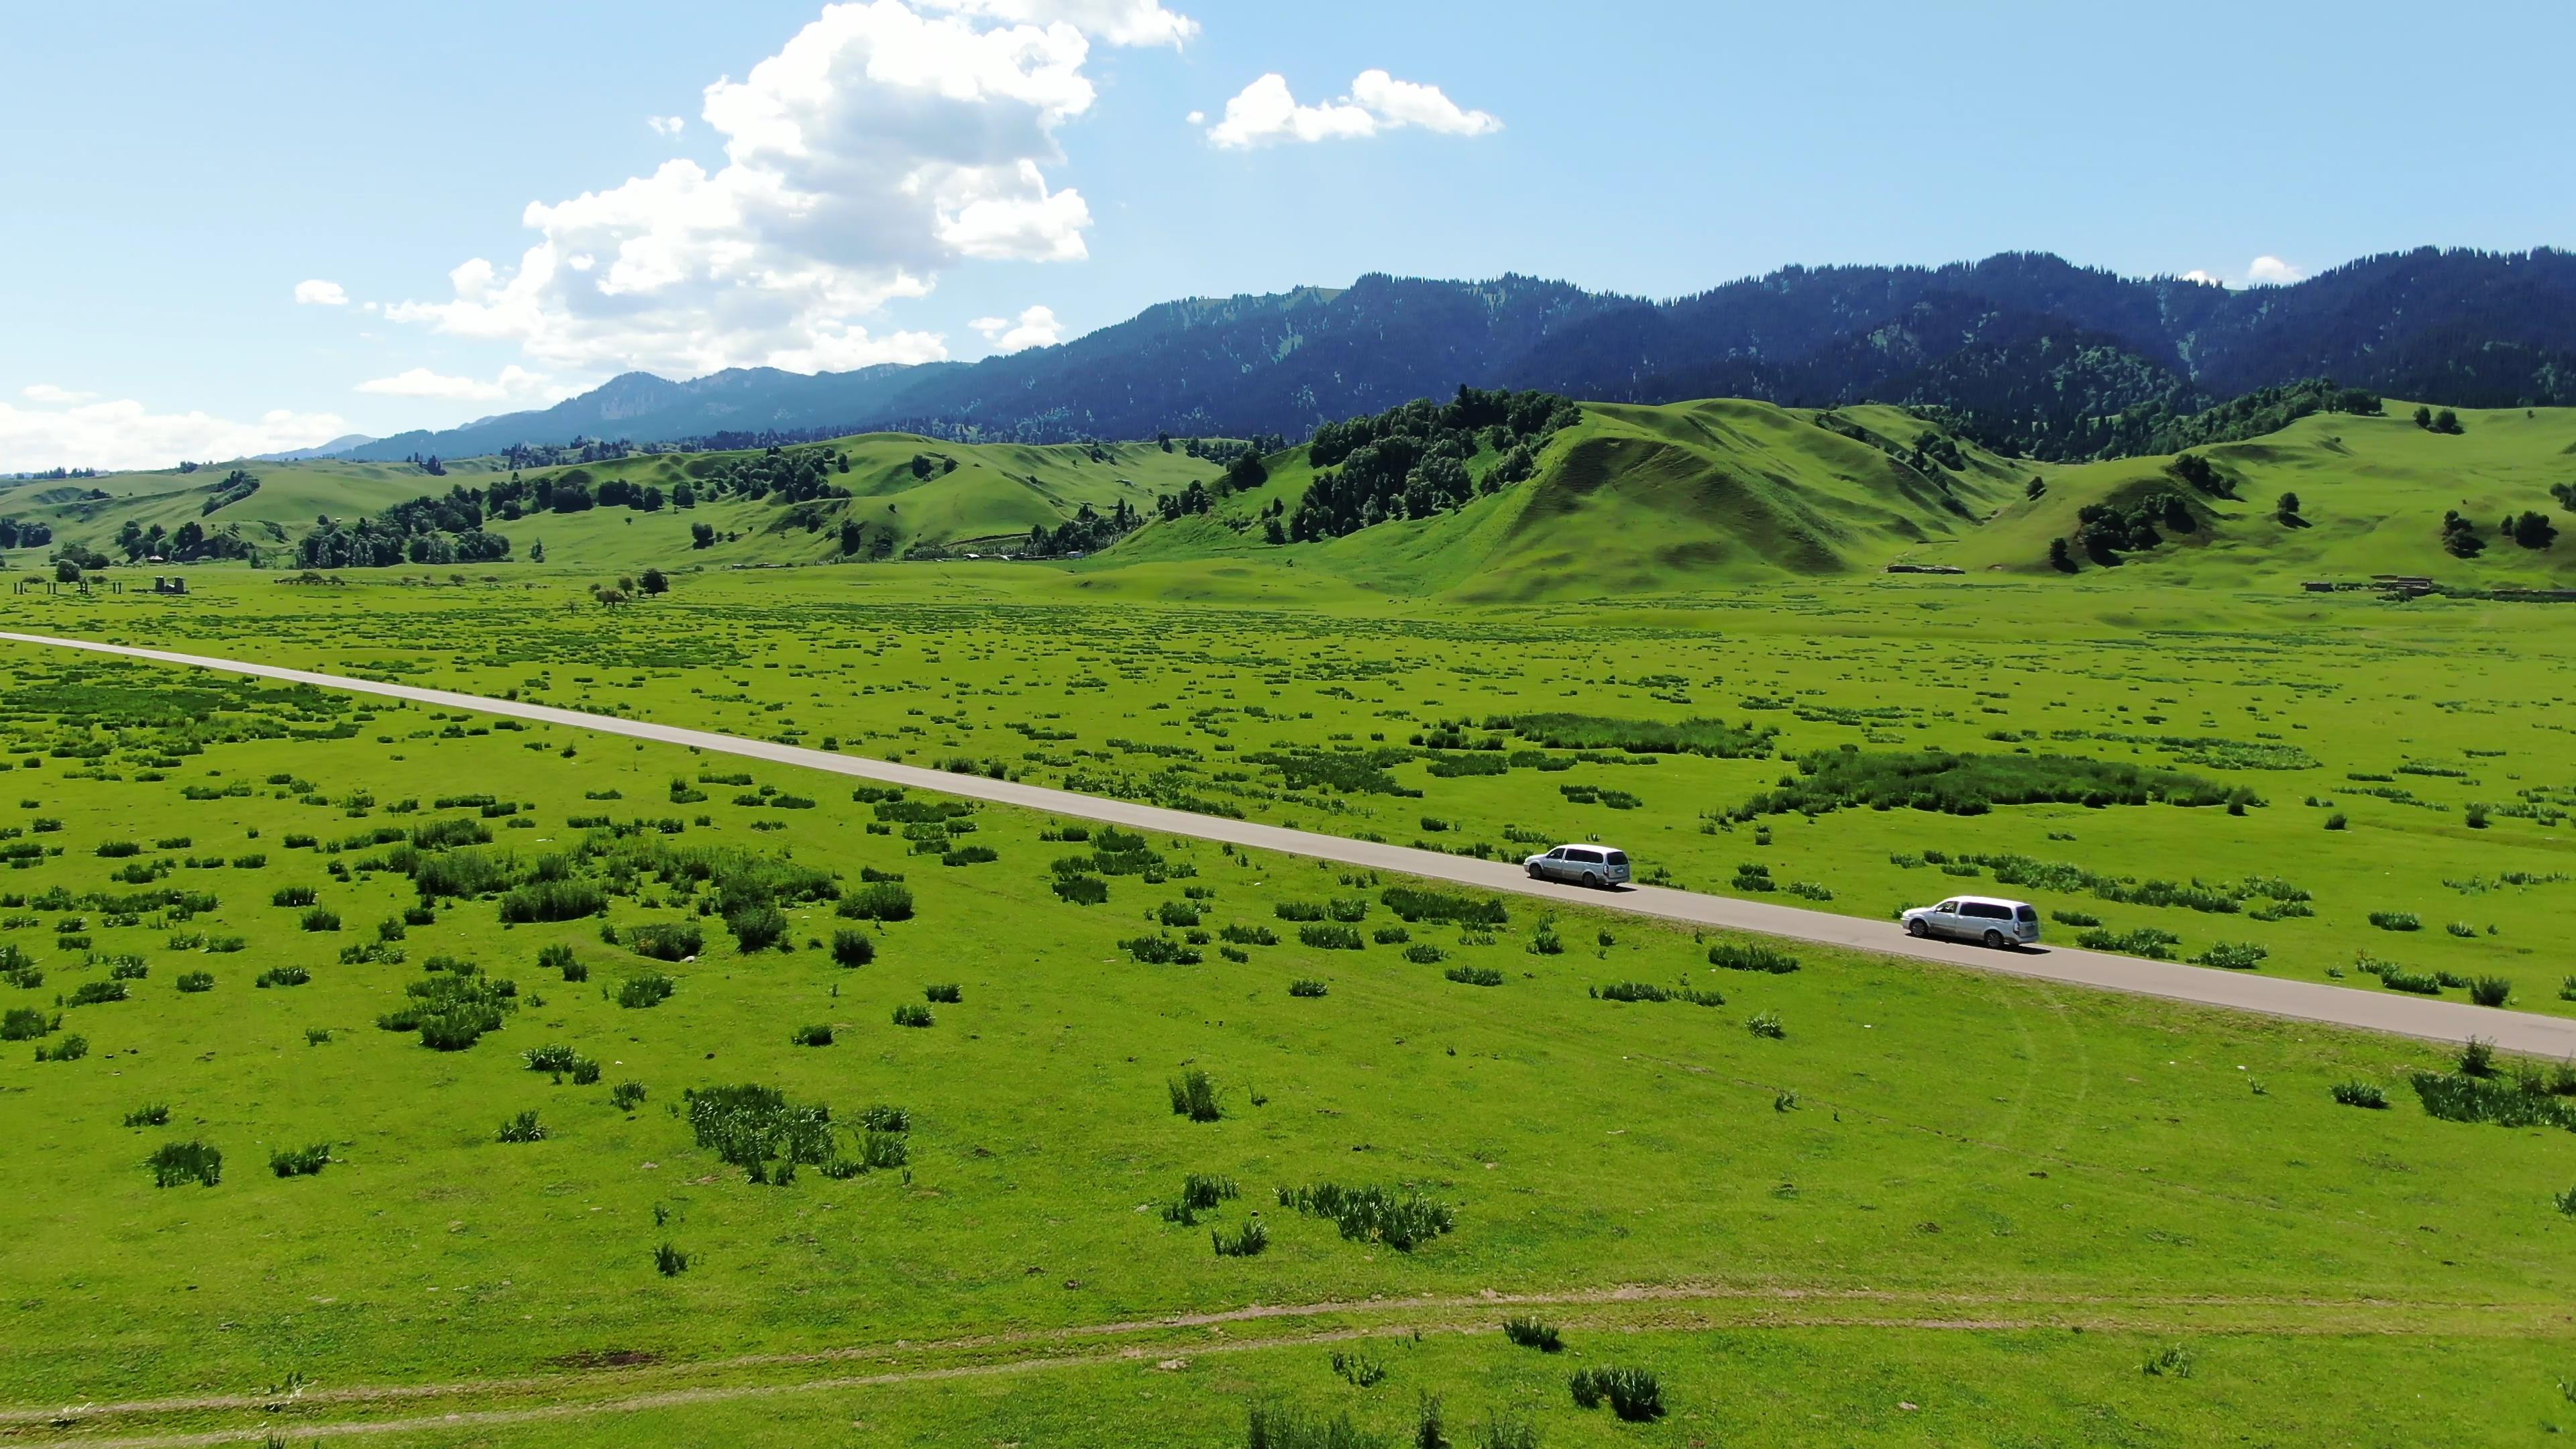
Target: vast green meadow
x=1991 y=1200
x=463 y=1080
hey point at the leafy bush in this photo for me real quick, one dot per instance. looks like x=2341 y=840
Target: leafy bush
x=1545 y=942
x=1423 y=953
x=1714 y=738
x=1306 y=986
x=756 y=928
x=949 y=994
x=300 y=1161
x=650 y=989
x=1971 y=784
x=70 y=1049
x=94 y=993
x=2477 y=1057
x=2360 y=1094
x=2144 y=941
x=1747 y=957
x=2490 y=991
x=1177 y=913
x=1633 y=1394
x=1415 y=905
x=1160 y=951
x=1474 y=975
x=758 y=1130
x=665 y=940
x=177 y=1163
x=1332 y=936
x=1401 y=1218
x=298 y=896
x=1530 y=1333
x=320 y=918
x=2465 y=1098
x=1193 y=1095
x=878 y=901
x=1298 y=911
x=853 y=948
x=2232 y=955
x=1082 y=890
x=1767 y=1024
x=2396 y=920
x=25 y=1023
x=1246 y=1241
x=552 y=900
x=1274 y=1426
x=522 y=1128
x=151 y=1114
x=669 y=1261
x=2173 y=1361
x=1241 y=935
x=813 y=1036
x=553 y=1058
x=912 y=1014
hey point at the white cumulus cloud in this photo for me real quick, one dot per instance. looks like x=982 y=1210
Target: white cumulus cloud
x=46 y=392
x=2203 y=277
x=1035 y=327
x=125 y=434
x=1267 y=111
x=667 y=125
x=1120 y=22
x=2272 y=272
x=883 y=142
x=318 y=293
x=514 y=382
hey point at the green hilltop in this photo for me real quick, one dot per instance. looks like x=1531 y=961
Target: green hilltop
x=1606 y=500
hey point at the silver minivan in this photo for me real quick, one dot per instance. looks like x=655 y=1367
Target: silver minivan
x=1994 y=921
x=1591 y=865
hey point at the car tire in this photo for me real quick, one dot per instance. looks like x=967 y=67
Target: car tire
x=1591 y=882
x=1994 y=940
x=1917 y=929
x=1536 y=874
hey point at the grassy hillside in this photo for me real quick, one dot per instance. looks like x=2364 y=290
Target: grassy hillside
x=1642 y=500
x=996 y=492
x=2372 y=493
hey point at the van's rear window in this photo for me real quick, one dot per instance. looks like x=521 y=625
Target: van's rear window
x=1618 y=857
x=2025 y=913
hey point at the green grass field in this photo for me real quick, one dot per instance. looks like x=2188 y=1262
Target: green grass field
x=1858 y=1201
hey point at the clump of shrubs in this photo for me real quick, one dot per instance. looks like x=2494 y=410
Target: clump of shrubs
x=174 y=1164
x=300 y=1161
x=1398 y=1217
x=521 y=1128
x=1633 y=1394
x=1530 y=1333
x=913 y=1014
x=1736 y=956
x=1474 y=975
x=1193 y=1095
x=664 y=940
x=1306 y=986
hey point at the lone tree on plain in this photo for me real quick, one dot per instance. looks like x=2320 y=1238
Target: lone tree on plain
x=2287 y=506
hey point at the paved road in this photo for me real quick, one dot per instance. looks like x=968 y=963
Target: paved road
x=2451 y=1021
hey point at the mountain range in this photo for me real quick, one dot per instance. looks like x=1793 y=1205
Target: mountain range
x=2023 y=350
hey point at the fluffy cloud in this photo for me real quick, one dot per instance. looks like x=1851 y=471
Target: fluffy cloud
x=46 y=392
x=2204 y=278
x=514 y=382
x=1120 y=22
x=2272 y=272
x=1266 y=111
x=667 y=125
x=1035 y=327
x=880 y=144
x=125 y=434
x=317 y=293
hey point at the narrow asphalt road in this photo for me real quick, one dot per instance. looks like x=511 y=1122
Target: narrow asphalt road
x=2449 y=1021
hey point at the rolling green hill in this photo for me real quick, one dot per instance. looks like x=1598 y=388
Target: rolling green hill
x=2372 y=495
x=1630 y=501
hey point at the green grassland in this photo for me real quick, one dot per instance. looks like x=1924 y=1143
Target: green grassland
x=1934 y=1204
x=1938 y=1207
x=995 y=494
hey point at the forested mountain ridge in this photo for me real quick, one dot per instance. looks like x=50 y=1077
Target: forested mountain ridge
x=2032 y=351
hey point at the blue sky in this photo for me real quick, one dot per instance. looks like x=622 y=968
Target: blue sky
x=871 y=182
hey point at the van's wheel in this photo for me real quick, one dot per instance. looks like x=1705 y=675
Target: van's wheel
x=1917 y=929
x=1994 y=940
x=1534 y=874
x=1591 y=882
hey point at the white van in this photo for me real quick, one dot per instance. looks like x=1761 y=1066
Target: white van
x=1591 y=865
x=1996 y=922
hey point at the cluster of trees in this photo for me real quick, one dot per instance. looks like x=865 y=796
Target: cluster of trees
x=797 y=477
x=1088 y=531
x=62 y=473
x=2445 y=421
x=2460 y=537
x=2104 y=531
x=237 y=485
x=27 y=534
x=579 y=450
x=425 y=530
x=190 y=544
x=1411 y=461
x=2200 y=473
